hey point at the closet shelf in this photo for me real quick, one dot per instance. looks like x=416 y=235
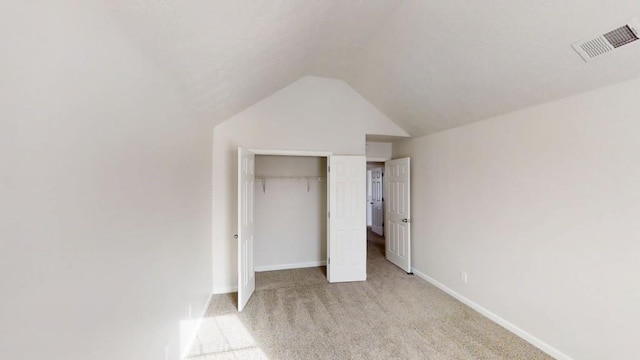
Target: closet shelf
x=308 y=179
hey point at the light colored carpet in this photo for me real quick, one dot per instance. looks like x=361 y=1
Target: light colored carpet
x=296 y=314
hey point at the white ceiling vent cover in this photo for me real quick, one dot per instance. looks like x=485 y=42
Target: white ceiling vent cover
x=604 y=43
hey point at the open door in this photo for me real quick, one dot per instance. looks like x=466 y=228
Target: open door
x=246 y=180
x=377 y=224
x=347 y=245
x=398 y=215
x=369 y=198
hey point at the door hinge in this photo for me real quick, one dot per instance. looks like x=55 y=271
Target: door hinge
x=328 y=168
x=329 y=261
x=329 y=214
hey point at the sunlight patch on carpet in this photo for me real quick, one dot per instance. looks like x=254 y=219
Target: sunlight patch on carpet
x=224 y=337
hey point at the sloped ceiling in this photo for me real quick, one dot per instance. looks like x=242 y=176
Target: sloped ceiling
x=229 y=54
x=428 y=65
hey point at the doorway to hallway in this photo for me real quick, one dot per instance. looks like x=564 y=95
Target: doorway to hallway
x=375 y=203
x=388 y=209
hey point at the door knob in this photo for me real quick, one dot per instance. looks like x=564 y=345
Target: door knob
x=235 y=236
x=406 y=220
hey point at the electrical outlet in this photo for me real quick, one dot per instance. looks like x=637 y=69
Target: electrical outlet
x=463 y=276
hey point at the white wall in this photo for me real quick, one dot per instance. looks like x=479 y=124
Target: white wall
x=310 y=114
x=541 y=208
x=105 y=188
x=290 y=217
x=278 y=165
x=379 y=151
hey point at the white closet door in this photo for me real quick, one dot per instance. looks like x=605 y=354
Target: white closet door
x=246 y=231
x=347 y=219
x=398 y=216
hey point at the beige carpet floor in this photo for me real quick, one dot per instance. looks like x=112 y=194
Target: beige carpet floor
x=296 y=314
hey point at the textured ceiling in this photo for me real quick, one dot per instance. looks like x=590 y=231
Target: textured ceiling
x=229 y=54
x=428 y=65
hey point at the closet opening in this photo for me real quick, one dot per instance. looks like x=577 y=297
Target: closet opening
x=290 y=205
x=300 y=209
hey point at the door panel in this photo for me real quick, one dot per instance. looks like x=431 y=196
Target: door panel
x=398 y=217
x=369 y=198
x=347 y=246
x=377 y=224
x=246 y=232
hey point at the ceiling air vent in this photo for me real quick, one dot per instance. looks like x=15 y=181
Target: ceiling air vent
x=604 y=43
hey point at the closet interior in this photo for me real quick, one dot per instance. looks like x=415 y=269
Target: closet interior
x=290 y=205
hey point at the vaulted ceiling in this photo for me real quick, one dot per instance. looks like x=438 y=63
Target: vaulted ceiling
x=428 y=65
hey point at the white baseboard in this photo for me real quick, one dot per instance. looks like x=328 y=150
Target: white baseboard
x=194 y=329
x=225 y=289
x=290 y=266
x=495 y=318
